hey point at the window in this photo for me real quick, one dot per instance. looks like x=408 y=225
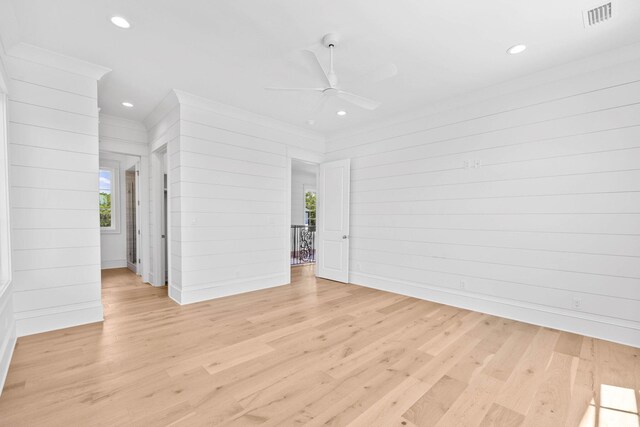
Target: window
x=108 y=184
x=310 y=208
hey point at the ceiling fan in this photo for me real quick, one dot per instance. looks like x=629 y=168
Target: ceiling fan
x=331 y=79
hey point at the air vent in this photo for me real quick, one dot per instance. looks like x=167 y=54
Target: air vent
x=597 y=15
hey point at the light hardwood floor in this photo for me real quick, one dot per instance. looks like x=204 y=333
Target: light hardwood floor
x=314 y=352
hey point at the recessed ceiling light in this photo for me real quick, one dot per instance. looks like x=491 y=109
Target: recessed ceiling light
x=514 y=50
x=127 y=104
x=311 y=122
x=341 y=113
x=120 y=22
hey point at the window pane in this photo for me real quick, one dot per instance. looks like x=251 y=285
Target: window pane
x=105 y=197
x=310 y=208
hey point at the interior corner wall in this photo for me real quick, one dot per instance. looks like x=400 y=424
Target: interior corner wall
x=230 y=181
x=53 y=154
x=525 y=206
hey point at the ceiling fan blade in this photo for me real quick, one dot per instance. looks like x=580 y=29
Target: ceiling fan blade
x=382 y=73
x=312 y=89
x=314 y=62
x=360 y=101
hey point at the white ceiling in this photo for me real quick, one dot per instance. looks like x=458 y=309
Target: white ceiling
x=229 y=51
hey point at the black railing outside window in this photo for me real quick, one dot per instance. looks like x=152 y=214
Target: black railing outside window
x=303 y=244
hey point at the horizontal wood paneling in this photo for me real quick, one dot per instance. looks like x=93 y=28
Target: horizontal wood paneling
x=53 y=135
x=530 y=199
x=228 y=190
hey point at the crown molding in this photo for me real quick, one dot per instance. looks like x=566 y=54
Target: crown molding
x=186 y=98
x=567 y=70
x=168 y=103
x=29 y=52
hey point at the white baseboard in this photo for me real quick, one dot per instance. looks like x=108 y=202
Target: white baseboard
x=8 y=335
x=115 y=263
x=37 y=321
x=620 y=331
x=202 y=293
x=6 y=352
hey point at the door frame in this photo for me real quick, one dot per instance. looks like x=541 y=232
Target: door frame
x=287 y=223
x=158 y=170
x=136 y=184
x=144 y=248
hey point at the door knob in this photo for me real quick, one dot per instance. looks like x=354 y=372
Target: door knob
x=345 y=236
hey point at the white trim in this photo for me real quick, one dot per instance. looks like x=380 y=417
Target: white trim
x=157 y=196
x=8 y=344
x=115 y=263
x=166 y=106
x=583 y=66
x=287 y=219
x=584 y=324
x=8 y=336
x=50 y=319
x=192 y=295
x=305 y=189
x=5 y=205
x=52 y=59
x=114 y=167
x=185 y=98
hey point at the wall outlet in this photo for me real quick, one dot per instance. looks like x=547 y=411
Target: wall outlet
x=477 y=163
x=576 y=303
x=466 y=164
x=463 y=284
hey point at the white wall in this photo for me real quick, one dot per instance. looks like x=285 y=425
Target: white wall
x=7 y=320
x=517 y=205
x=113 y=244
x=229 y=182
x=53 y=151
x=163 y=130
x=129 y=140
x=300 y=180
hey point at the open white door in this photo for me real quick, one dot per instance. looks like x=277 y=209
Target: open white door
x=333 y=220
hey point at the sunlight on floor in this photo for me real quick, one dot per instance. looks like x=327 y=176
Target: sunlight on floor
x=618 y=408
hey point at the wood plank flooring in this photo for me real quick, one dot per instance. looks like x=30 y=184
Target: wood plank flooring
x=313 y=353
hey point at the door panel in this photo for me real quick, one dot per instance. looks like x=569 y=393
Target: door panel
x=333 y=220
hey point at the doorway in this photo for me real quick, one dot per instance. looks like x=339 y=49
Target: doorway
x=303 y=213
x=119 y=213
x=132 y=219
x=165 y=243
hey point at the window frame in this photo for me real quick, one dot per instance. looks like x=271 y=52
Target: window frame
x=308 y=189
x=114 y=168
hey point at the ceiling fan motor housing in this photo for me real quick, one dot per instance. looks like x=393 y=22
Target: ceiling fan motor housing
x=330 y=40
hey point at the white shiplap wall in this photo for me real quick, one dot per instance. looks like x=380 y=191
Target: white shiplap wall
x=229 y=187
x=526 y=205
x=53 y=153
x=7 y=320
